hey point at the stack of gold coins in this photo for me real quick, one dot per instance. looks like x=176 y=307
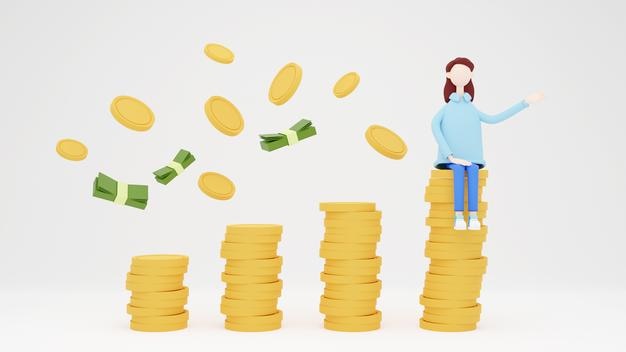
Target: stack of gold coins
x=158 y=296
x=454 y=278
x=251 y=276
x=350 y=272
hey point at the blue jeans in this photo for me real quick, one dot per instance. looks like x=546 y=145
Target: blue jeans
x=459 y=186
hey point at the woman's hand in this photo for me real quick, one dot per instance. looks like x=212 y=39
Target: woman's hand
x=459 y=161
x=534 y=98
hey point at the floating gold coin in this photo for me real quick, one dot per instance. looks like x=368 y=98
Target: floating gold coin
x=219 y=53
x=216 y=186
x=71 y=149
x=386 y=142
x=285 y=83
x=224 y=116
x=132 y=113
x=346 y=84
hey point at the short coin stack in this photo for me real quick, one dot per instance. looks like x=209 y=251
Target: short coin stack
x=158 y=296
x=454 y=279
x=352 y=231
x=251 y=276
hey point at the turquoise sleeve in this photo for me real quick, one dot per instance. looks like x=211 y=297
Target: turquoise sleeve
x=441 y=140
x=503 y=115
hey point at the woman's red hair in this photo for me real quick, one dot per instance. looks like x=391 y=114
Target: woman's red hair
x=450 y=88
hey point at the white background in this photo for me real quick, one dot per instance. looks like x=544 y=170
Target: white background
x=556 y=275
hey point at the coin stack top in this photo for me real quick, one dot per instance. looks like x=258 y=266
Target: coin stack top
x=454 y=279
x=351 y=266
x=158 y=296
x=251 y=276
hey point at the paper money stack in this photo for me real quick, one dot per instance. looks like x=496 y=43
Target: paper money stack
x=251 y=276
x=453 y=281
x=158 y=296
x=352 y=231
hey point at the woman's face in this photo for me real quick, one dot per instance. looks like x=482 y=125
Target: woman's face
x=460 y=75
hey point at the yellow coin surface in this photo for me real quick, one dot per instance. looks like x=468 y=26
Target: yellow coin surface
x=254 y=229
x=285 y=83
x=161 y=260
x=224 y=116
x=71 y=149
x=219 y=53
x=446 y=327
x=216 y=186
x=386 y=142
x=132 y=113
x=347 y=207
x=346 y=84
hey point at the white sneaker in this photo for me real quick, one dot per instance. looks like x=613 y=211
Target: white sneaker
x=459 y=224
x=474 y=224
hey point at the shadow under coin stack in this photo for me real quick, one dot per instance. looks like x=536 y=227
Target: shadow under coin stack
x=251 y=276
x=454 y=279
x=350 y=272
x=158 y=296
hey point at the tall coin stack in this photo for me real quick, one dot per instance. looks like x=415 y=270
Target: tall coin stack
x=251 y=276
x=158 y=296
x=453 y=281
x=350 y=272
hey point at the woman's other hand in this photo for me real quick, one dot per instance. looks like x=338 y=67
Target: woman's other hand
x=534 y=98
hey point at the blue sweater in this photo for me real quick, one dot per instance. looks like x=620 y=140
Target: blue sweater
x=457 y=129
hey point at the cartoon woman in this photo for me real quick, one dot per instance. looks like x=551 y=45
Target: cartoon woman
x=457 y=129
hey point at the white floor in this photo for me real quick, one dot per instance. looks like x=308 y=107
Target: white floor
x=79 y=320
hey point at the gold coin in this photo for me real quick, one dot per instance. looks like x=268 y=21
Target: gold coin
x=459 y=239
x=370 y=286
x=437 y=173
x=239 y=238
x=219 y=53
x=161 y=296
x=446 y=327
x=346 y=311
x=156 y=303
x=338 y=270
x=350 y=328
x=352 y=224
x=151 y=312
x=248 y=255
x=348 y=247
x=270 y=286
x=340 y=279
x=157 y=287
x=164 y=319
x=153 y=279
x=356 y=295
x=344 y=255
x=238 y=270
x=248 y=247
x=232 y=311
x=452 y=286
x=375 y=262
x=216 y=186
x=342 y=303
x=71 y=149
x=258 y=319
x=285 y=83
x=471 y=311
x=256 y=264
x=160 y=260
x=351 y=239
x=254 y=229
x=444 y=270
x=454 y=247
x=148 y=270
x=446 y=303
x=450 y=279
x=352 y=216
x=479 y=263
x=357 y=320
x=452 y=255
x=449 y=182
x=242 y=304
x=453 y=295
x=248 y=279
x=251 y=327
x=342 y=207
x=157 y=327
x=449 y=206
x=132 y=113
x=456 y=320
x=386 y=142
x=250 y=295
x=354 y=231
x=346 y=84
x=224 y=116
